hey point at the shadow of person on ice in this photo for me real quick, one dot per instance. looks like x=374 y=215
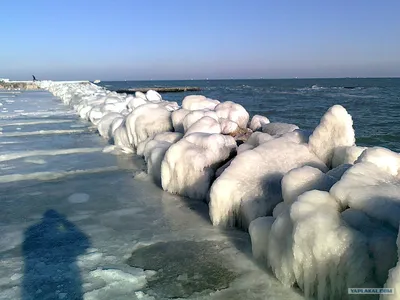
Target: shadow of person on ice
x=50 y=249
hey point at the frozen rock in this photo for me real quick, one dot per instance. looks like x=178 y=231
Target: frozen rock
x=198 y=102
x=335 y=130
x=251 y=186
x=257 y=122
x=189 y=165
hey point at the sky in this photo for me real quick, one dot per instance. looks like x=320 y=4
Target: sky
x=185 y=39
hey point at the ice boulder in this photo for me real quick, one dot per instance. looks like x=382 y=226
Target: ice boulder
x=104 y=125
x=140 y=95
x=346 y=155
x=177 y=117
x=146 y=121
x=135 y=102
x=189 y=165
x=194 y=116
x=308 y=244
x=303 y=179
x=155 y=150
x=370 y=189
x=198 y=102
x=335 y=130
x=381 y=241
x=95 y=115
x=170 y=137
x=121 y=139
x=234 y=112
x=383 y=158
x=251 y=186
x=205 y=125
x=257 y=122
x=153 y=96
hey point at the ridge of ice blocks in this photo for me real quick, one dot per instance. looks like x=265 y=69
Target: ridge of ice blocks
x=189 y=165
x=250 y=187
x=198 y=102
x=257 y=122
x=310 y=245
x=334 y=130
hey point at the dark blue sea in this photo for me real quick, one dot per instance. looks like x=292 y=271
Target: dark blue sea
x=373 y=103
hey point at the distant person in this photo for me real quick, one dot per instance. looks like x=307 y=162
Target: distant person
x=34 y=78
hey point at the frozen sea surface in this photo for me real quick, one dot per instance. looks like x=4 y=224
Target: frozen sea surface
x=77 y=223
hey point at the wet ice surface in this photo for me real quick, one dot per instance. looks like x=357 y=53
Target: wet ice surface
x=75 y=224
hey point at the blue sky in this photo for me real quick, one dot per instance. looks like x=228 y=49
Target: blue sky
x=177 y=39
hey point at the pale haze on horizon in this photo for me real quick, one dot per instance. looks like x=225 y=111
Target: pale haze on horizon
x=140 y=40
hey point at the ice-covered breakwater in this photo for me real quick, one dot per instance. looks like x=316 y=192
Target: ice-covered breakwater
x=322 y=212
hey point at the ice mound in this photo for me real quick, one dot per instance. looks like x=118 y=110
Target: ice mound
x=257 y=122
x=198 y=102
x=146 y=121
x=135 y=102
x=335 y=130
x=372 y=190
x=251 y=186
x=189 y=165
x=104 y=125
x=205 y=125
x=155 y=150
x=153 y=96
x=177 y=119
x=300 y=180
x=194 y=116
x=381 y=242
x=383 y=158
x=346 y=155
x=121 y=139
x=234 y=112
x=308 y=244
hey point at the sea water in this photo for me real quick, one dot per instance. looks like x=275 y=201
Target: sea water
x=78 y=223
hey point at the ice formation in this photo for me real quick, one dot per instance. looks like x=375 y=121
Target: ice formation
x=335 y=130
x=198 y=102
x=251 y=186
x=257 y=122
x=234 y=112
x=322 y=212
x=190 y=164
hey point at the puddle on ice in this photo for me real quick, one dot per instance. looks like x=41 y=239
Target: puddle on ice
x=183 y=267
